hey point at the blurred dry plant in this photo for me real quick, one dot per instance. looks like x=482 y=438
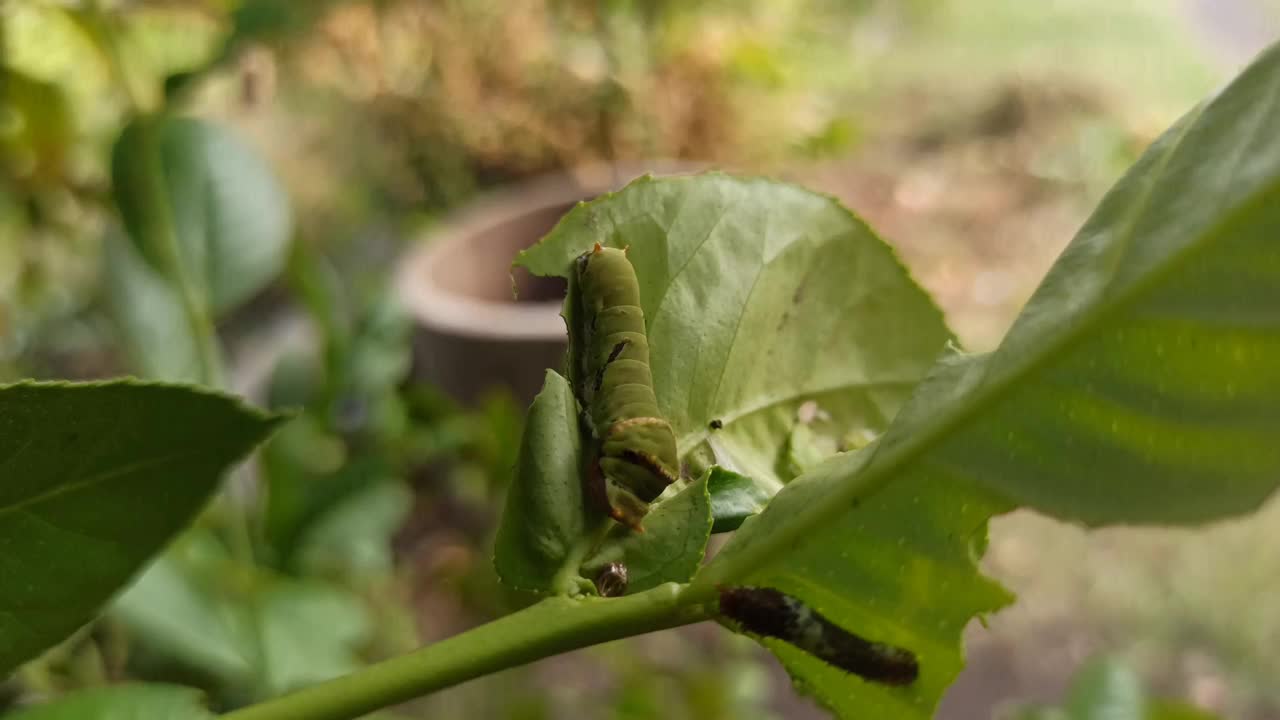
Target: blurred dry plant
x=462 y=94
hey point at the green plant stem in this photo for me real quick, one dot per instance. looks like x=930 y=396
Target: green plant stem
x=551 y=627
x=158 y=212
x=160 y=216
x=567 y=579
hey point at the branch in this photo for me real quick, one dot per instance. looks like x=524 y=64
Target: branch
x=551 y=627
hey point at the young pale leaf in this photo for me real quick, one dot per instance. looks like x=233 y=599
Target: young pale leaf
x=734 y=498
x=122 y=702
x=1141 y=384
x=228 y=212
x=545 y=522
x=758 y=296
x=94 y=479
x=671 y=547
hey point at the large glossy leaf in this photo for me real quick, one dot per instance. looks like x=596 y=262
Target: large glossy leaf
x=758 y=296
x=94 y=479
x=122 y=702
x=1139 y=385
x=228 y=213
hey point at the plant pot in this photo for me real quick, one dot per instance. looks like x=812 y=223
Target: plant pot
x=471 y=333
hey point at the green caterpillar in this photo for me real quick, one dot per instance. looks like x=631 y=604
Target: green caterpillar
x=635 y=455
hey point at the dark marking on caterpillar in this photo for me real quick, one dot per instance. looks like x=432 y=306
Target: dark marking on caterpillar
x=770 y=613
x=613 y=355
x=635 y=456
x=716 y=424
x=616 y=351
x=648 y=462
x=611 y=581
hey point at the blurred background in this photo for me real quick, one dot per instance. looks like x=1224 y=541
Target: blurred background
x=401 y=151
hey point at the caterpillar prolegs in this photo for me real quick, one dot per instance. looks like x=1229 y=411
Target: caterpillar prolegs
x=635 y=455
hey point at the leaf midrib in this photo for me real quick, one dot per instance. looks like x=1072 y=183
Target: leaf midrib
x=99 y=478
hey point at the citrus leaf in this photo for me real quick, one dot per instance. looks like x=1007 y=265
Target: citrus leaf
x=1140 y=385
x=898 y=568
x=195 y=608
x=758 y=296
x=545 y=521
x=148 y=315
x=1173 y=710
x=229 y=214
x=94 y=479
x=734 y=498
x=671 y=547
x=353 y=539
x=122 y=702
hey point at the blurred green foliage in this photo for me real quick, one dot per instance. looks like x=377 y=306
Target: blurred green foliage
x=1108 y=689
x=378 y=114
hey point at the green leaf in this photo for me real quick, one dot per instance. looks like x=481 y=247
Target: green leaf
x=734 y=498
x=37 y=128
x=197 y=607
x=229 y=214
x=94 y=479
x=1173 y=710
x=295 y=652
x=353 y=538
x=1106 y=689
x=544 y=526
x=175 y=610
x=1139 y=385
x=148 y=315
x=758 y=296
x=898 y=567
x=122 y=702
x=671 y=547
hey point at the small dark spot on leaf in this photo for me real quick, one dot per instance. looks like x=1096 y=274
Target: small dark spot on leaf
x=716 y=424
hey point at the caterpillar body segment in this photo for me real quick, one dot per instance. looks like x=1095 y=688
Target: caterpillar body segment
x=636 y=457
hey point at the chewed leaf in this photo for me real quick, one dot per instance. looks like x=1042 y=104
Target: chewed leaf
x=740 y=281
x=1140 y=385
